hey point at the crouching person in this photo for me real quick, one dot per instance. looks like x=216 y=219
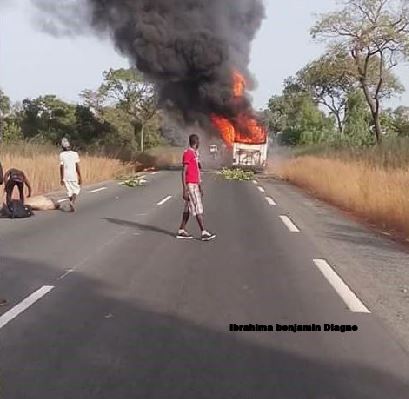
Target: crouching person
x=15 y=178
x=70 y=172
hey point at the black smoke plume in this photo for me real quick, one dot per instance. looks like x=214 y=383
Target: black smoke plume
x=189 y=48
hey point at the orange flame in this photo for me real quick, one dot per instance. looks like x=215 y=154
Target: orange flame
x=244 y=128
x=239 y=84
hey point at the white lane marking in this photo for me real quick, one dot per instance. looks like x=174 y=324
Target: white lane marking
x=271 y=201
x=154 y=173
x=67 y=273
x=63 y=200
x=24 y=305
x=351 y=300
x=99 y=190
x=290 y=225
x=261 y=189
x=255 y=182
x=164 y=201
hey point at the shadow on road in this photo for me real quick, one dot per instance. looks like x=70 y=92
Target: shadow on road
x=140 y=226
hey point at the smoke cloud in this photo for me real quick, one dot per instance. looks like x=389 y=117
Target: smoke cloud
x=189 y=48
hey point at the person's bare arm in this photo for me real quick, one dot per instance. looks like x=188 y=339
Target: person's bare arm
x=185 y=191
x=6 y=179
x=27 y=183
x=62 y=174
x=77 y=165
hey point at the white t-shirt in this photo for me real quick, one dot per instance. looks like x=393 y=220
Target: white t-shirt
x=69 y=160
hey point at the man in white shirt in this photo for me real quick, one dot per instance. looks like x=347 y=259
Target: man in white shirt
x=70 y=172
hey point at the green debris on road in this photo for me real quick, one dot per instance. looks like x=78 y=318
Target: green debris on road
x=133 y=181
x=236 y=174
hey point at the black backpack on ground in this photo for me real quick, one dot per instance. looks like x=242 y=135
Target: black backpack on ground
x=16 y=210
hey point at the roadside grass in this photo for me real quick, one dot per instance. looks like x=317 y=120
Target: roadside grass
x=166 y=157
x=372 y=183
x=41 y=165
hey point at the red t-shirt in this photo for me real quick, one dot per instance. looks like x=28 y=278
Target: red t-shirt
x=191 y=160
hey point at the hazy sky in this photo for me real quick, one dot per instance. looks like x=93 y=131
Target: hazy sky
x=33 y=63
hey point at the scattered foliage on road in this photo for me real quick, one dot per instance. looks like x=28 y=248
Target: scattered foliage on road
x=133 y=181
x=236 y=174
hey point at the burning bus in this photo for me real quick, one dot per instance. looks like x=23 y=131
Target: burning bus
x=244 y=135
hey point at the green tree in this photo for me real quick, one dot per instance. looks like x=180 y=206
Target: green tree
x=298 y=118
x=329 y=80
x=358 y=120
x=12 y=132
x=48 y=118
x=4 y=111
x=131 y=92
x=401 y=115
x=375 y=35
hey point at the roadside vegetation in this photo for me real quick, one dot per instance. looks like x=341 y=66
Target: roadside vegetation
x=116 y=129
x=40 y=163
x=346 y=146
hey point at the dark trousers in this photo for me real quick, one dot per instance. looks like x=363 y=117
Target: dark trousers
x=9 y=190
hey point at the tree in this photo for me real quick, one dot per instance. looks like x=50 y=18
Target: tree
x=358 y=119
x=298 y=118
x=132 y=93
x=48 y=118
x=4 y=110
x=329 y=81
x=375 y=35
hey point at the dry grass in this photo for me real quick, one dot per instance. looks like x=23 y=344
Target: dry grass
x=164 y=157
x=379 y=195
x=42 y=167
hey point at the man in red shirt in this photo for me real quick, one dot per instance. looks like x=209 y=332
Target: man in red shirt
x=192 y=190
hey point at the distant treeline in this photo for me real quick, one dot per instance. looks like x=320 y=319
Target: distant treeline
x=120 y=116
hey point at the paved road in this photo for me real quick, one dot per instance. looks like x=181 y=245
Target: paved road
x=106 y=303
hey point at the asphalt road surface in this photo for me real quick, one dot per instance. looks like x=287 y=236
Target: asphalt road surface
x=106 y=303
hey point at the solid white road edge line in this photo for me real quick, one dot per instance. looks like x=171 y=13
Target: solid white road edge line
x=99 y=190
x=164 y=200
x=261 y=189
x=271 y=201
x=63 y=200
x=24 y=305
x=290 y=225
x=351 y=300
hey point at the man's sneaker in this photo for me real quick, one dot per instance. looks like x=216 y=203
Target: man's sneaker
x=206 y=236
x=184 y=235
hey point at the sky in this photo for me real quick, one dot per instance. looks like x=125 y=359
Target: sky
x=33 y=63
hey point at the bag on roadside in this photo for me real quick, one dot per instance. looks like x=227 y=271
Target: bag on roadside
x=17 y=210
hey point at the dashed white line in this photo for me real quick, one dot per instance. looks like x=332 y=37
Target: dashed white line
x=351 y=300
x=154 y=173
x=164 y=200
x=271 y=202
x=24 y=305
x=99 y=190
x=290 y=225
x=63 y=200
x=67 y=273
x=261 y=189
x=255 y=182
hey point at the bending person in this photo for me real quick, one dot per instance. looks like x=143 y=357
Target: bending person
x=13 y=178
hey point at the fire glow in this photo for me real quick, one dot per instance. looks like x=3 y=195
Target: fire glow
x=243 y=128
